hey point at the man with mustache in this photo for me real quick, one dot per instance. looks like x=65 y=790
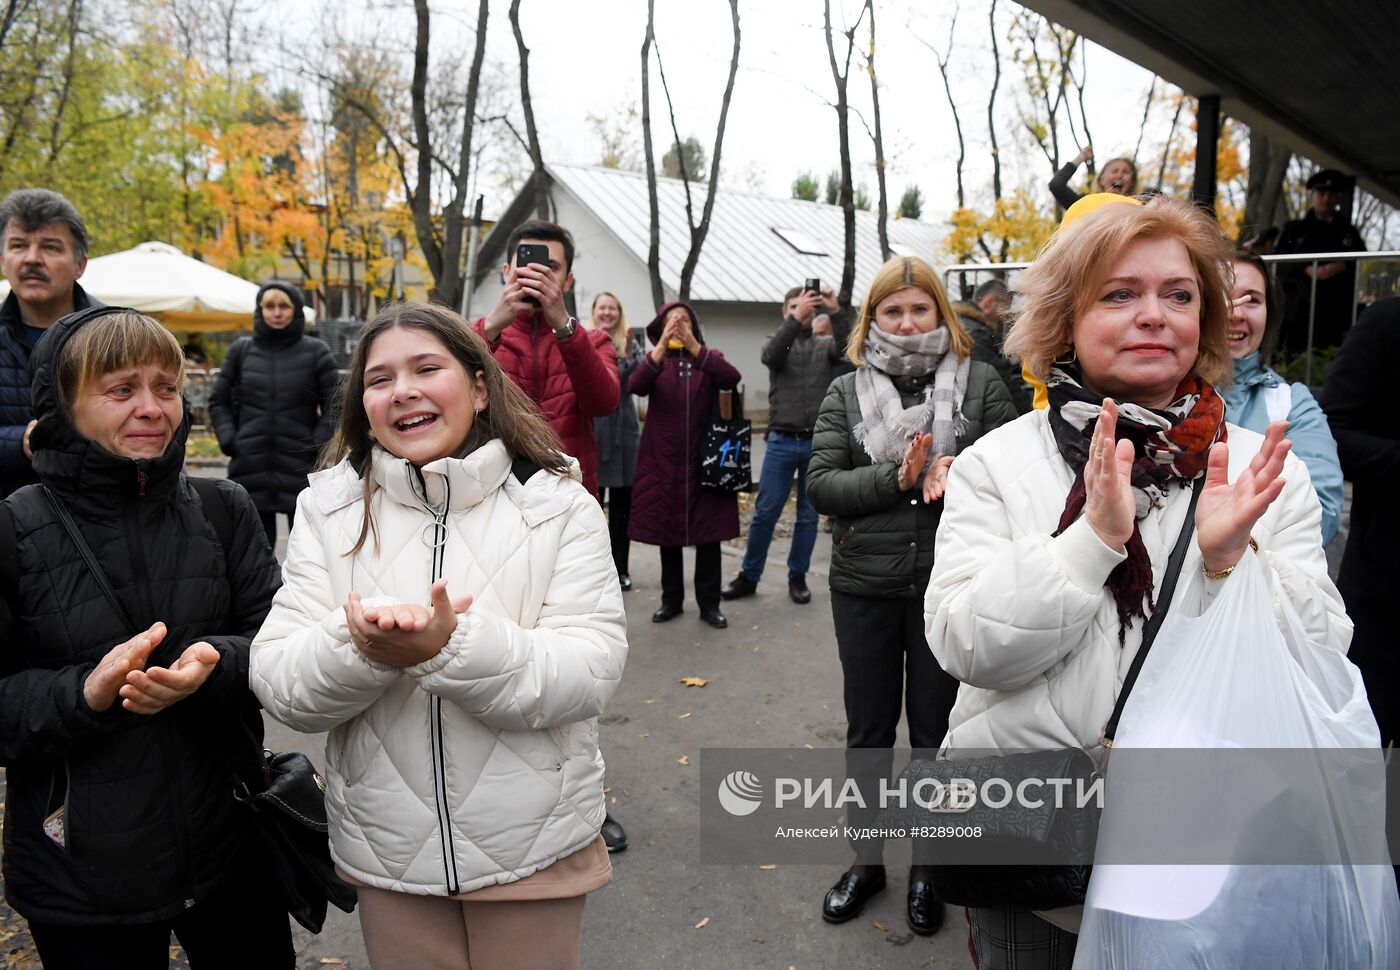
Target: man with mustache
x=43 y=251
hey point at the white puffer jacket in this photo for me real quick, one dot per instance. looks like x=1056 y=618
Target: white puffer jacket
x=481 y=765
x=1025 y=621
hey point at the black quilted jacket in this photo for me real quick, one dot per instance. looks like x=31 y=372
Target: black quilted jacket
x=150 y=822
x=272 y=407
x=15 y=411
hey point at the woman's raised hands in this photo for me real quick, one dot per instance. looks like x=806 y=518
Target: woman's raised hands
x=405 y=634
x=1226 y=513
x=1109 y=504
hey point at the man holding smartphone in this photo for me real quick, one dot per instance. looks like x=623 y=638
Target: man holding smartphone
x=800 y=368
x=570 y=372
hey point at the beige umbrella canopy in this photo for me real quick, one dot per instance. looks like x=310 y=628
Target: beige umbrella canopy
x=183 y=293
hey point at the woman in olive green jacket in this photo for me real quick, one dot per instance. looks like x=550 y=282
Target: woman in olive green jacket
x=885 y=438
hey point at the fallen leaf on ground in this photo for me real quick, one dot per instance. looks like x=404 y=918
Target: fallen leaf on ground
x=807 y=746
x=333 y=961
x=694 y=681
x=880 y=926
x=640 y=736
x=703 y=923
x=684 y=716
x=767 y=868
x=651 y=700
x=683 y=761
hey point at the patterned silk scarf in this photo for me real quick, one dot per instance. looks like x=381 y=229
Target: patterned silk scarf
x=1172 y=443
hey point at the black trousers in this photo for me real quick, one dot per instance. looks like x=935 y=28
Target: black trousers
x=886 y=667
x=619 y=503
x=269 y=524
x=707 y=580
x=243 y=924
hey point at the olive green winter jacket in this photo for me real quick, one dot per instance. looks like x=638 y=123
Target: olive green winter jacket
x=882 y=539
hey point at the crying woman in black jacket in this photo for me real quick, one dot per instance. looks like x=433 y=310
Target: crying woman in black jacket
x=120 y=741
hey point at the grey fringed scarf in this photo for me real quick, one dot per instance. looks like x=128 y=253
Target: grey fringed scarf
x=886 y=426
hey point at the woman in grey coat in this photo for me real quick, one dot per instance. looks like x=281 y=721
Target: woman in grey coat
x=617 y=433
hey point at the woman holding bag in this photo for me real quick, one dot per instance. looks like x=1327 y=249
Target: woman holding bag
x=122 y=724
x=1058 y=528
x=465 y=789
x=885 y=438
x=679 y=377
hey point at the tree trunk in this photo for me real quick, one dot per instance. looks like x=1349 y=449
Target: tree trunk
x=698 y=233
x=538 y=180
x=451 y=285
x=1263 y=199
x=847 y=197
x=883 y=204
x=992 y=121
x=658 y=293
x=420 y=195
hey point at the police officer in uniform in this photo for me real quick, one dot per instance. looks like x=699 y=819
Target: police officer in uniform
x=1325 y=229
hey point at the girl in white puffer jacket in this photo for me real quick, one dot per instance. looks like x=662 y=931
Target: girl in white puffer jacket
x=464 y=777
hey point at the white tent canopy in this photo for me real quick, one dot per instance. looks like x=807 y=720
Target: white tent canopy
x=184 y=293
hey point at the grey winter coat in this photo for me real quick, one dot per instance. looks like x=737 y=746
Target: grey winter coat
x=618 y=433
x=800 y=369
x=882 y=540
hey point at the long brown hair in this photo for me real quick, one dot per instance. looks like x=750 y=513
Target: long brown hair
x=509 y=414
x=898 y=273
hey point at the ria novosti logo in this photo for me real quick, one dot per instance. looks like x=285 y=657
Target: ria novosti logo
x=740 y=793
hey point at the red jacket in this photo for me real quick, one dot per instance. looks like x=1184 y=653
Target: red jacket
x=573 y=381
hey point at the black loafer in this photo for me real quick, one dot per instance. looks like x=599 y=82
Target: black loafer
x=715 y=618
x=613 y=835
x=668 y=611
x=738 y=587
x=797 y=589
x=625 y=581
x=846 y=899
x=924 y=912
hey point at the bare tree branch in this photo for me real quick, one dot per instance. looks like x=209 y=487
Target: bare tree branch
x=1146 y=108
x=658 y=293
x=883 y=205
x=847 y=198
x=537 y=177
x=676 y=140
x=942 y=61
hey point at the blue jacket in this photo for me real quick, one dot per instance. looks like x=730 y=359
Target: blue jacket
x=1246 y=405
x=15 y=409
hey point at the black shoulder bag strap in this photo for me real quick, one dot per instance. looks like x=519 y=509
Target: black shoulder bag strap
x=1164 y=600
x=215 y=511
x=94 y=567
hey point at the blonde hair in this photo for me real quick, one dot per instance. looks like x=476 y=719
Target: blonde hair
x=900 y=272
x=112 y=342
x=1059 y=286
x=619 y=333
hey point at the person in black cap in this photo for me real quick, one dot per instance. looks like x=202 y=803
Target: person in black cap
x=271 y=404
x=1325 y=229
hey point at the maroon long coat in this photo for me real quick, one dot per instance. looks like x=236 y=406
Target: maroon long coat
x=669 y=508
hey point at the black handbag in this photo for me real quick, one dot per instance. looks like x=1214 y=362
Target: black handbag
x=726 y=443
x=1036 y=837
x=287 y=802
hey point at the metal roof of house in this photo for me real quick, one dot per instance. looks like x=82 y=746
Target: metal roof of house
x=755 y=243
x=1318 y=76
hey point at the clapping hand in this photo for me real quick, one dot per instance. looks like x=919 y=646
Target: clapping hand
x=405 y=634
x=152 y=691
x=1226 y=513
x=1109 y=504
x=106 y=679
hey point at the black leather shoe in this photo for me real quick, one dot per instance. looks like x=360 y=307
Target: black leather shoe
x=613 y=835
x=797 y=589
x=625 y=581
x=668 y=611
x=738 y=587
x=846 y=899
x=715 y=618
x=924 y=912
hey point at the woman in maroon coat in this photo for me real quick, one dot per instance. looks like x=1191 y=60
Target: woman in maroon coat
x=669 y=508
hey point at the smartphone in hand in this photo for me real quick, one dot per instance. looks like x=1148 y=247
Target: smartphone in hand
x=528 y=253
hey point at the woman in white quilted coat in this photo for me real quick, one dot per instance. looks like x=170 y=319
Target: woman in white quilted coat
x=1058 y=527
x=450 y=614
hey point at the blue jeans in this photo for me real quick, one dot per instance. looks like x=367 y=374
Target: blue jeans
x=787 y=456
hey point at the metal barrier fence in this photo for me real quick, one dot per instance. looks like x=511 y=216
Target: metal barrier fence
x=1379 y=283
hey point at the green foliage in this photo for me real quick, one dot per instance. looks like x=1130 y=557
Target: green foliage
x=833 y=188
x=806 y=187
x=694 y=154
x=1295 y=369
x=911 y=203
x=862 y=198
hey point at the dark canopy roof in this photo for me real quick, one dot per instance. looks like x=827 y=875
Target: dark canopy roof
x=1321 y=76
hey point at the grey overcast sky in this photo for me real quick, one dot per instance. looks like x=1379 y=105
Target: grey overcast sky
x=585 y=59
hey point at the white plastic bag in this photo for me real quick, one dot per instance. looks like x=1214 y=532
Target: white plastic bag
x=1232 y=678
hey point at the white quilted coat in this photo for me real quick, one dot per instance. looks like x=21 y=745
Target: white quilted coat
x=1025 y=621
x=481 y=765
